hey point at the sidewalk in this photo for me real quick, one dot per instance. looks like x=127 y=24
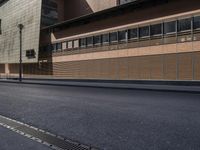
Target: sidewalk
x=13 y=141
x=173 y=86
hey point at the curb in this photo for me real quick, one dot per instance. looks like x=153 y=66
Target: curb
x=129 y=86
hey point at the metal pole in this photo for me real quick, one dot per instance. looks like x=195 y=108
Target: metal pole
x=20 y=26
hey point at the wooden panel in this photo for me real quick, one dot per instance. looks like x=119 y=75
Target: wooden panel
x=185 y=66
x=14 y=68
x=2 y=68
x=169 y=67
x=104 y=67
x=133 y=68
x=156 y=64
x=114 y=69
x=156 y=67
x=123 y=68
x=144 y=67
x=197 y=66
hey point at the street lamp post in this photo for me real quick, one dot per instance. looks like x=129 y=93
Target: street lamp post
x=20 y=26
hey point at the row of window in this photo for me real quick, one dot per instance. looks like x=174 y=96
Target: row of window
x=155 y=30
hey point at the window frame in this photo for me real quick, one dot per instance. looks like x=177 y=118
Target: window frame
x=91 y=44
x=194 y=22
x=144 y=37
x=183 y=31
x=156 y=35
x=68 y=44
x=137 y=30
x=54 y=47
x=74 y=45
x=97 y=44
x=80 y=43
x=126 y=36
x=115 y=41
x=64 y=45
x=176 y=27
x=58 y=46
x=102 y=37
x=30 y=53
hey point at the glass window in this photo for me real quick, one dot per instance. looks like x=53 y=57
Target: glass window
x=69 y=44
x=82 y=42
x=89 y=41
x=64 y=45
x=76 y=44
x=54 y=47
x=30 y=53
x=58 y=46
x=105 y=38
x=144 y=31
x=197 y=22
x=113 y=37
x=156 y=29
x=169 y=27
x=122 y=35
x=133 y=33
x=97 y=39
x=184 y=24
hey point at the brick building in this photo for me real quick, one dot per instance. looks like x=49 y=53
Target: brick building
x=122 y=40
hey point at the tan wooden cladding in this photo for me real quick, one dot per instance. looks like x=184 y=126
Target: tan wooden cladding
x=2 y=68
x=197 y=66
x=183 y=66
x=170 y=67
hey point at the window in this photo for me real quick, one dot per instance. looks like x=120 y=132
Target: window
x=76 y=44
x=156 y=29
x=144 y=31
x=122 y=35
x=113 y=37
x=54 y=47
x=69 y=45
x=58 y=46
x=30 y=53
x=170 y=27
x=82 y=42
x=184 y=24
x=133 y=33
x=196 y=22
x=90 y=41
x=97 y=40
x=105 y=38
x=64 y=45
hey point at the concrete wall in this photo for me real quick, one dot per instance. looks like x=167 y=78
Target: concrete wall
x=77 y=8
x=15 y=12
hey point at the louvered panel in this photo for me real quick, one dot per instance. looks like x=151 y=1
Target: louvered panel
x=170 y=67
x=185 y=66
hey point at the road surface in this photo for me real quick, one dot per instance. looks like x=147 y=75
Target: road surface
x=110 y=119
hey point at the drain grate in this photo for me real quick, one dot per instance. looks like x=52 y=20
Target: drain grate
x=49 y=139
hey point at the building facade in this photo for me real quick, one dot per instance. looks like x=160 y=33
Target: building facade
x=12 y=13
x=138 y=40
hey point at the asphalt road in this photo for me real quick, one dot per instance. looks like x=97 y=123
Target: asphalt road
x=111 y=119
